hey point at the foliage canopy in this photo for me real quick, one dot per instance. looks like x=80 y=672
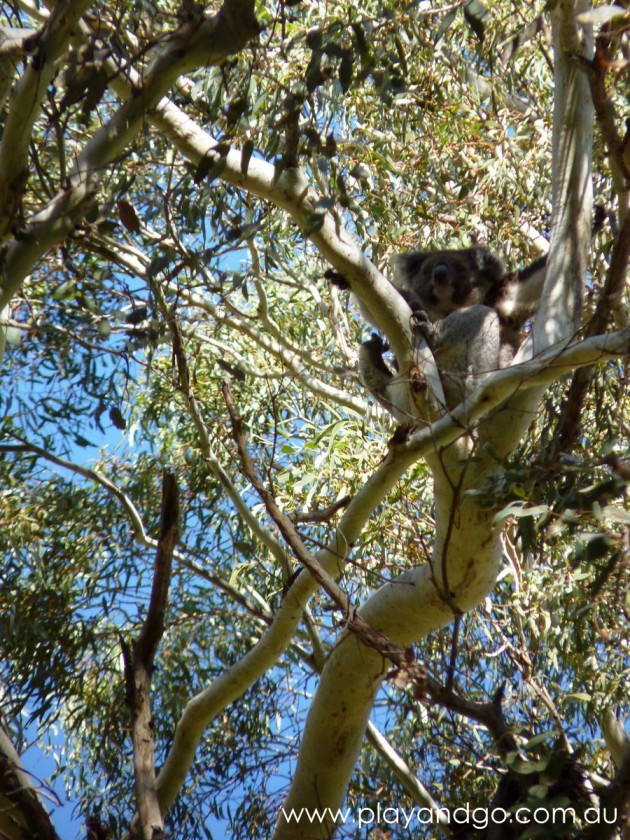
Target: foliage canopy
x=142 y=271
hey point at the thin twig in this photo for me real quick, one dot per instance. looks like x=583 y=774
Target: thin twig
x=355 y=623
x=321 y=515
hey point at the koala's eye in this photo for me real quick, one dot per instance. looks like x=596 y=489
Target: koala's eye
x=440 y=272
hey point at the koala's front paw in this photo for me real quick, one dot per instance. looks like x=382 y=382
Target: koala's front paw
x=419 y=317
x=373 y=371
x=420 y=323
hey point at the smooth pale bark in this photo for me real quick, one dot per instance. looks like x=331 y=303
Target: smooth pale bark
x=47 y=45
x=200 y=710
x=572 y=189
x=466 y=554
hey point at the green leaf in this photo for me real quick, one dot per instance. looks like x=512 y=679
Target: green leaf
x=246 y=155
x=116 y=416
x=64 y=289
x=518 y=509
x=212 y=163
x=82 y=441
x=346 y=69
x=104 y=328
x=476 y=15
x=445 y=24
x=314 y=223
x=313 y=76
x=234 y=370
x=582 y=696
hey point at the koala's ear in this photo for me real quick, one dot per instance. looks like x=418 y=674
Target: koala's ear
x=484 y=262
x=406 y=266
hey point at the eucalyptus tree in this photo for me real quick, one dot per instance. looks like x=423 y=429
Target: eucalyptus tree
x=220 y=557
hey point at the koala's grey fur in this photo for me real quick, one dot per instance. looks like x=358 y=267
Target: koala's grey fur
x=439 y=283
x=470 y=311
x=392 y=391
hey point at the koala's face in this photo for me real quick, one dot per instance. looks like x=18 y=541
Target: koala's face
x=445 y=281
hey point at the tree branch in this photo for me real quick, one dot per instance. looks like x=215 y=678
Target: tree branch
x=618 y=148
x=489 y=714
x=136 y=261
x=193 y=45
x=404 y=774
x=352 y=619
x=139 y=668
x=609 y=302
x=572 y=193
x=92 y=475
x=292 y=193
x=24 y=106
x=22 y=813
x=280 y=351
x=210 y=458
x=412 y=588
x=260 y=610
x=614 y=799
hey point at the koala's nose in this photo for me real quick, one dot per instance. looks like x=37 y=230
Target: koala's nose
x=440 y=273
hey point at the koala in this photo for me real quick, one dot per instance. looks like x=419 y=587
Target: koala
x=466 y=346
x=441 y=282
x=469 y=310
x=436 y=284
x=394 y=392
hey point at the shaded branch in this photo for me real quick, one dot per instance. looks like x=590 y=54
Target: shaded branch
x=610 y=302
x=572 y=191
x=25 y=105
x=618 y=147
x=153 y=626
x=489 y=714
x=139 y=661
x=22 y=813
x=321 y=515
